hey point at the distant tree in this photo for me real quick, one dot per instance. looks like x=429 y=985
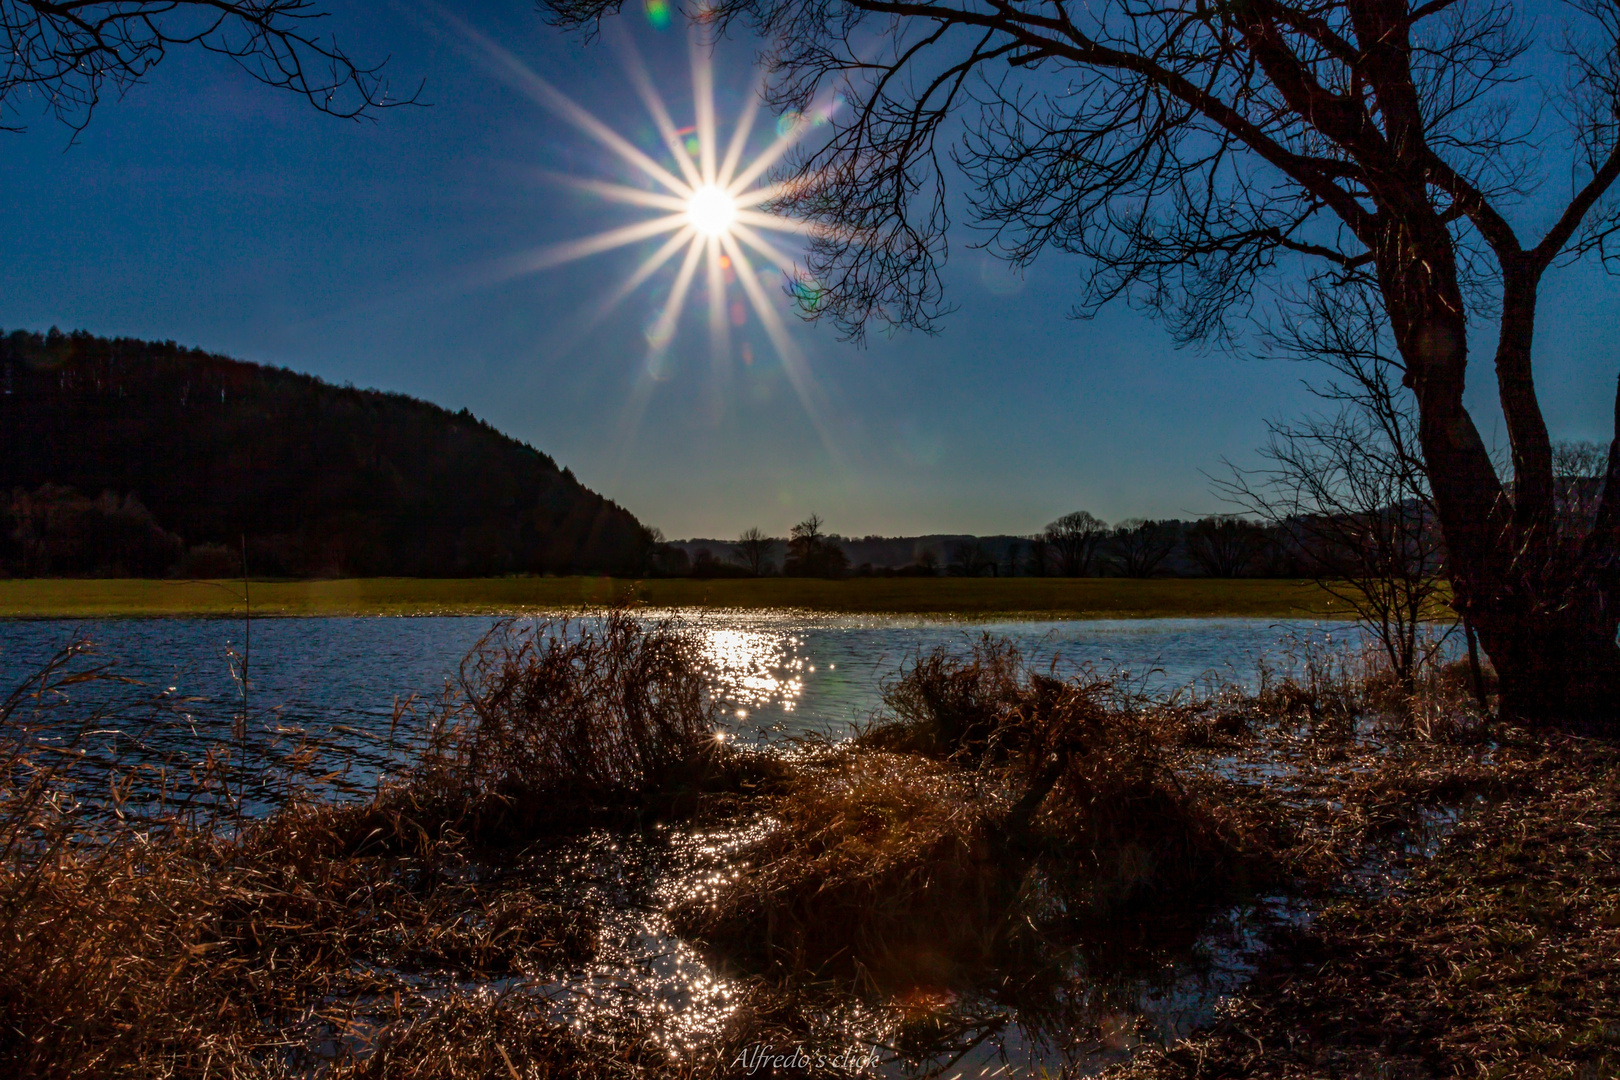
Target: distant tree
x=812 y=553
x=63 y=56
x=754 y=552
x=924 y=562
x=1139 y=547
x=1075 y=539
x=1042 y=560
x=971 y=558
x=1012 y=559
x=1224 y=545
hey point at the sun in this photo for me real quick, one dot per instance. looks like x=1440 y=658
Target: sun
x=711 y=204
x=711 y=210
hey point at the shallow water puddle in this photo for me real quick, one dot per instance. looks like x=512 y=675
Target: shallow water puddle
x=1063 y=1011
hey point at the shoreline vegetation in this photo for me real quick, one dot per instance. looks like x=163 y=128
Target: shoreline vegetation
x=1004 y=852
x=970 y=598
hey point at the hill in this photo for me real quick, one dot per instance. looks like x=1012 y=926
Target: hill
x=125 y=456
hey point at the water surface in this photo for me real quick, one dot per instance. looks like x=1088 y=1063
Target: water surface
x=786 y=672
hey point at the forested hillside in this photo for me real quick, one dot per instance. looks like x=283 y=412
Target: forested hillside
x=124 y=456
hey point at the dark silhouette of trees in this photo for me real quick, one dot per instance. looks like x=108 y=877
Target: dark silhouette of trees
x=55 y=532
x=61 y=57
x=1012 y=562
x=320 y=479
x=1224 y=546
x=971 y=558
x=924 y=563
x=1207 y=158
x=1139 y=547
x=1041 y=561
x=812 y=553
x=1075 y=539
x=755 y=551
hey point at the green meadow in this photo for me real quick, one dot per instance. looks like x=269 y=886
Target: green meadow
x=1063 y=598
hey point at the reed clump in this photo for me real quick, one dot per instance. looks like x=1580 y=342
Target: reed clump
x=911 y=854
x=564 y=724
x=562 y=719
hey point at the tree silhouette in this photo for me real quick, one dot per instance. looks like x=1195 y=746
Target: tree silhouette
x=1140 y=547
x=1224 y=546
x=754 y=550
x=66 y=55
x=812 y=553
x=1205 y=158
x=1074 y=539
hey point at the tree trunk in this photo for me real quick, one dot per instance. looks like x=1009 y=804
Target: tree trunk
x=1556 y=669
x=1543 y=616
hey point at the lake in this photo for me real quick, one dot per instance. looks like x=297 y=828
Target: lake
x=786 y=670
x=775 y=673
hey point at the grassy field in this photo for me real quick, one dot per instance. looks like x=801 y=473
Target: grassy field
x=980 y=597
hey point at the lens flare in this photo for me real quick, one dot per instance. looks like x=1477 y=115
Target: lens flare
x=707 y=196
x=711 y=210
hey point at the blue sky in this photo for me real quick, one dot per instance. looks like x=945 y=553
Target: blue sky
x=209 y=210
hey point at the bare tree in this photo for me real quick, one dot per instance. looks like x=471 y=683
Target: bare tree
x=1201 y=158
x=812 y=553
x=1139 y=546
x=926 y=560
x=1013 y=558
x=62 y=56
x=1350 y=496
x=1074 y=539
x=754 y=552
x=1223 y=545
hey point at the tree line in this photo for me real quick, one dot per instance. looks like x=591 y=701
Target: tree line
x=1078 y=544
x=144 y=458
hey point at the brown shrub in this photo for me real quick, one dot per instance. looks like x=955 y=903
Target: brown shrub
x=911 y=867
x=946 y=706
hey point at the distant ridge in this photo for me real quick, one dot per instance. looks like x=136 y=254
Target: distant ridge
x=320 y=479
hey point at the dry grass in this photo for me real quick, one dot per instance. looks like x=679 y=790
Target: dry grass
x=877 y=862
x=151 y=939
x=1002 y=833
x=994 y=796
x=1498 y=958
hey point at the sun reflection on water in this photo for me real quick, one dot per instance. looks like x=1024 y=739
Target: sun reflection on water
x=753 y=668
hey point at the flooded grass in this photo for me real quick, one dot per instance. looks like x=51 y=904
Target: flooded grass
x=949 y=597
x=1008 y=870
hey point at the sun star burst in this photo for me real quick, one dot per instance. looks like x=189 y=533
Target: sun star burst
x=707 y=206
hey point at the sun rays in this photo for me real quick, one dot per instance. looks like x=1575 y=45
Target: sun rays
x=704 y=195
